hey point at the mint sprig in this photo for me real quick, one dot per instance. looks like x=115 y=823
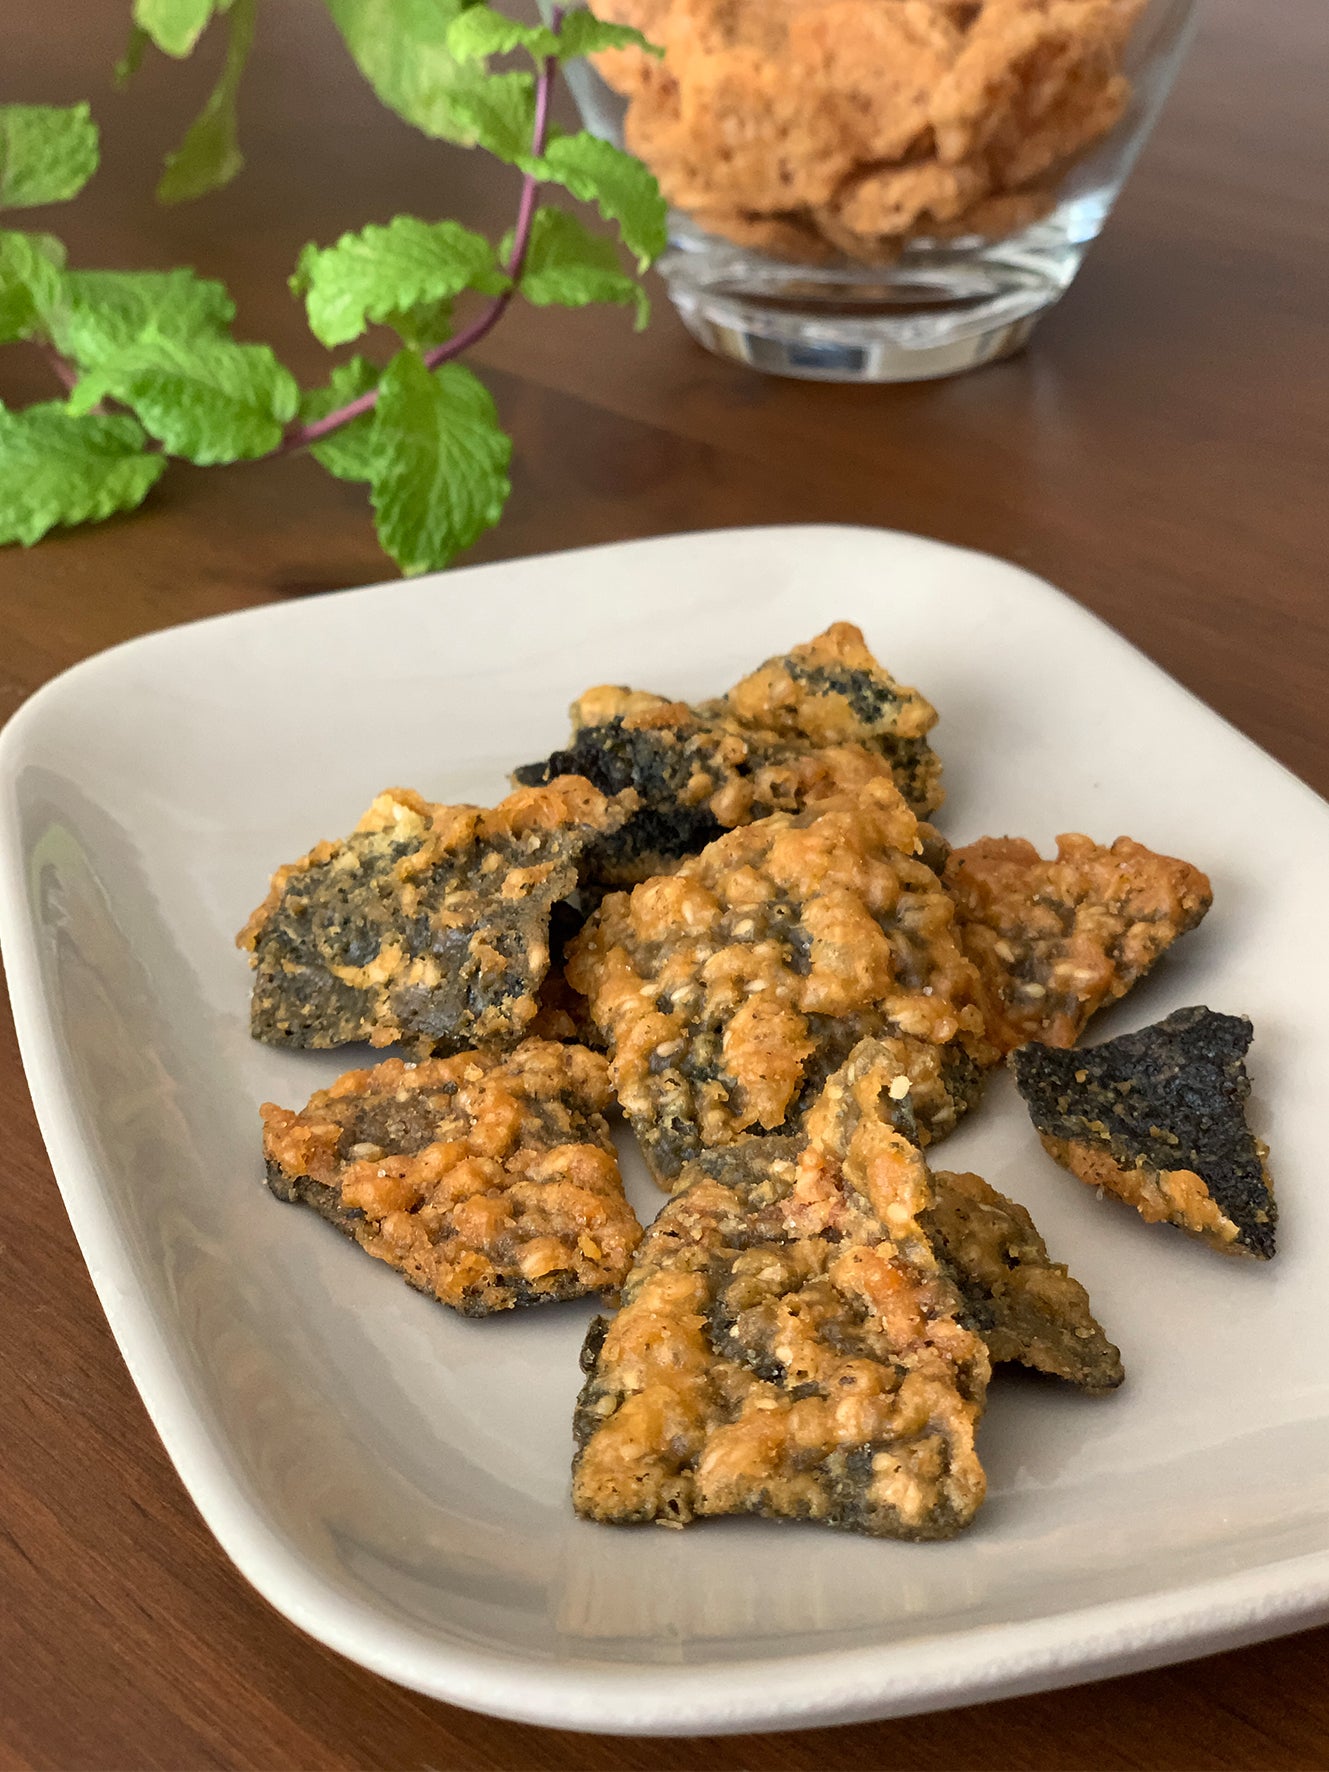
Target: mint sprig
x=568 y=266
x=55 y=470
x=93 y=314
x=480 y=31
x=47 y=153
x=175 y=26
x=584 y=34
x=204 y=399
x=350 y=451
x=381 y=272
x=401 y=48
x=620 y=187
x=440 y=466
x=210 y=156
x=149 y=361
x=31 y=267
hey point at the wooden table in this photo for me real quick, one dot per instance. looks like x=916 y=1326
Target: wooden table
x=1162 y=452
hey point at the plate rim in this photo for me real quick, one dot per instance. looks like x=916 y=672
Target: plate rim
x=758 y=1693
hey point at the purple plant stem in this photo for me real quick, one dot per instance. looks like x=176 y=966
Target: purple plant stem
x=68 y=377
x=65 y=371
x=489 y=316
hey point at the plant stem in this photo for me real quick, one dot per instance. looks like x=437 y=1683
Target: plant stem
x=68 y=377
x=65 y=371
x=300 y=436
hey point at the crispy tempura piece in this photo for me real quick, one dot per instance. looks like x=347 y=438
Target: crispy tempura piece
x=804 y=728
x=695 y=777
x=1159 y=1119
x=832 y=691
x=728 y=991
x=428 y=925
x=789 y=1344
x=487 y=1181
x=1026 y=1306
x=1055 y=940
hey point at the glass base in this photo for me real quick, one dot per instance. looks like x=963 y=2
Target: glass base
x=932 y=313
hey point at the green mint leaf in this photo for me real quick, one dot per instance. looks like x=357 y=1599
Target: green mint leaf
x=568 y=266
x=401 y=48
x=480 y=31
x=497 y=114
x=620 y=187
x=424 y=326
x=56 y=469
x=441 y=476
x=30 y=282
x=101 y=313
x=209 y=156
x=348 y=453
x=47 y=153
x=132 y=59
x=175 y=26
x=206 y=399
x=385 y=271
x=584 y=34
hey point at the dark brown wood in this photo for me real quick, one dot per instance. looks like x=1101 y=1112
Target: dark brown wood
x=1162 y=452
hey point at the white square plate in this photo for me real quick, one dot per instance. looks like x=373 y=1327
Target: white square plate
x=395 y=1479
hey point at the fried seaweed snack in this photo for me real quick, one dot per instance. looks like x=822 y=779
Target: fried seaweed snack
x=487 y=1181
x=789 y=1344
x=696 y=777
x=1055 y=940
x=428 y=924
x=728 y=991
x=1159 y=1119
x=832 y=691
x=816 y=723
x=1026 y=1306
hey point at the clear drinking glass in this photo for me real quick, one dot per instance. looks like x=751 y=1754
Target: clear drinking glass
x=937 y=305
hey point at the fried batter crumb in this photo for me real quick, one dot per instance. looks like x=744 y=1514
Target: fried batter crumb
x=1159 y=1119
x=1026 y=1306
x=1055 y=940
x=487 y=1181
x=727 y=992
x=789 y=1344
x=428 y=924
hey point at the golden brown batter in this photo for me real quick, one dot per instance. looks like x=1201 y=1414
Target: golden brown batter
x=728 y=991
x=806 y=727
x=789 y=1343
x=1055 y=940
x=1026 y=1306
x=428 y=924
x=487 y=1181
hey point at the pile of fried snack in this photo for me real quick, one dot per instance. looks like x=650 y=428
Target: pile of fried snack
x=808 y=128
x=733 y=920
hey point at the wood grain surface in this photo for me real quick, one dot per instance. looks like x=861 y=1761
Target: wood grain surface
x=1162 y=452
